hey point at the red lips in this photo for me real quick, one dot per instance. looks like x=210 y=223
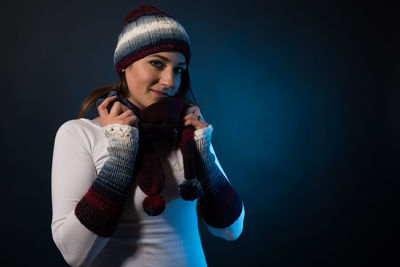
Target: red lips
x=159 y=94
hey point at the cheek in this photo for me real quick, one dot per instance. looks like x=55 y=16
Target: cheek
x=133 y=81
x=178 y=82
x=143 y=78
x=131 y=85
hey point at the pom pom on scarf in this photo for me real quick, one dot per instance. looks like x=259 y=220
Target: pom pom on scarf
x=154 y=205
x=190 y=189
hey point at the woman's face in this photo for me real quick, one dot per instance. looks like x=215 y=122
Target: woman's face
x=154 y=77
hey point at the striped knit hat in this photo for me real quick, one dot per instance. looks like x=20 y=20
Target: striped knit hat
x=147 y=30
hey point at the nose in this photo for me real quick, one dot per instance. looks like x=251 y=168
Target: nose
x=167 y=79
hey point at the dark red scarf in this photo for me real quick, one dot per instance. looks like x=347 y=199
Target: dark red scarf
x=163 y=122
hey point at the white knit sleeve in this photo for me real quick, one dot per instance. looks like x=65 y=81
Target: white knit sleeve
x=72 y=174
x=233 y=231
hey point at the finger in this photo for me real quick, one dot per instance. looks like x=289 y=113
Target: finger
x=107 y=101
x=193 y=121
x=102 y=108
x=188 y=122
x=123 y=107
x=191 y=109
x=196 y=124
x=116 y=109
x=193 y=116
x=131 y=120
x=126 y=113
x=196 y=112
x=188 y=116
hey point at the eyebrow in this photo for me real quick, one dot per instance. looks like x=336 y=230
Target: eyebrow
x=167 y=59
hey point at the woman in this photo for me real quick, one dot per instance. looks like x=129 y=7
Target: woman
x=130 y=186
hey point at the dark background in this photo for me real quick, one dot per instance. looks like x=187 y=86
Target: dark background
x=303 y=97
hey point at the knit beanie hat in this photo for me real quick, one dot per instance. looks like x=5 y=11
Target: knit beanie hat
x=147 y=30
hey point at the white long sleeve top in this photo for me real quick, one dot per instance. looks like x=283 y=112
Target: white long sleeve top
x=170 y=239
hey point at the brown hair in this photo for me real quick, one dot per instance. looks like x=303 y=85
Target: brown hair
x=122 y=88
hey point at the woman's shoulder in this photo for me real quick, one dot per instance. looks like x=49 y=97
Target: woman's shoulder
x=80 y=134
x=81 y=124
x=83 y=127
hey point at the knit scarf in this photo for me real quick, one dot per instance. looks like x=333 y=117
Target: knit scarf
x=162 y=122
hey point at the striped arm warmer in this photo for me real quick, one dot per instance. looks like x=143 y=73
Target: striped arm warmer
x=221 y=205
x=101 y=207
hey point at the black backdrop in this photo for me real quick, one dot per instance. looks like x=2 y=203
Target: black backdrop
x=303 y=97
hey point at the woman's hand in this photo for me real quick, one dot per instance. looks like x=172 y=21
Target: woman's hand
x=119 y=113
x=194 y=118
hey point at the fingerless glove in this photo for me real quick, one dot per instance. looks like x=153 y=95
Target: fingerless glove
x=101 y=207
x=221 y=205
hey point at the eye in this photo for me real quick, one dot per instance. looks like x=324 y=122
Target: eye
x=159 y=65
x=156 y=64
x=179 y=69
